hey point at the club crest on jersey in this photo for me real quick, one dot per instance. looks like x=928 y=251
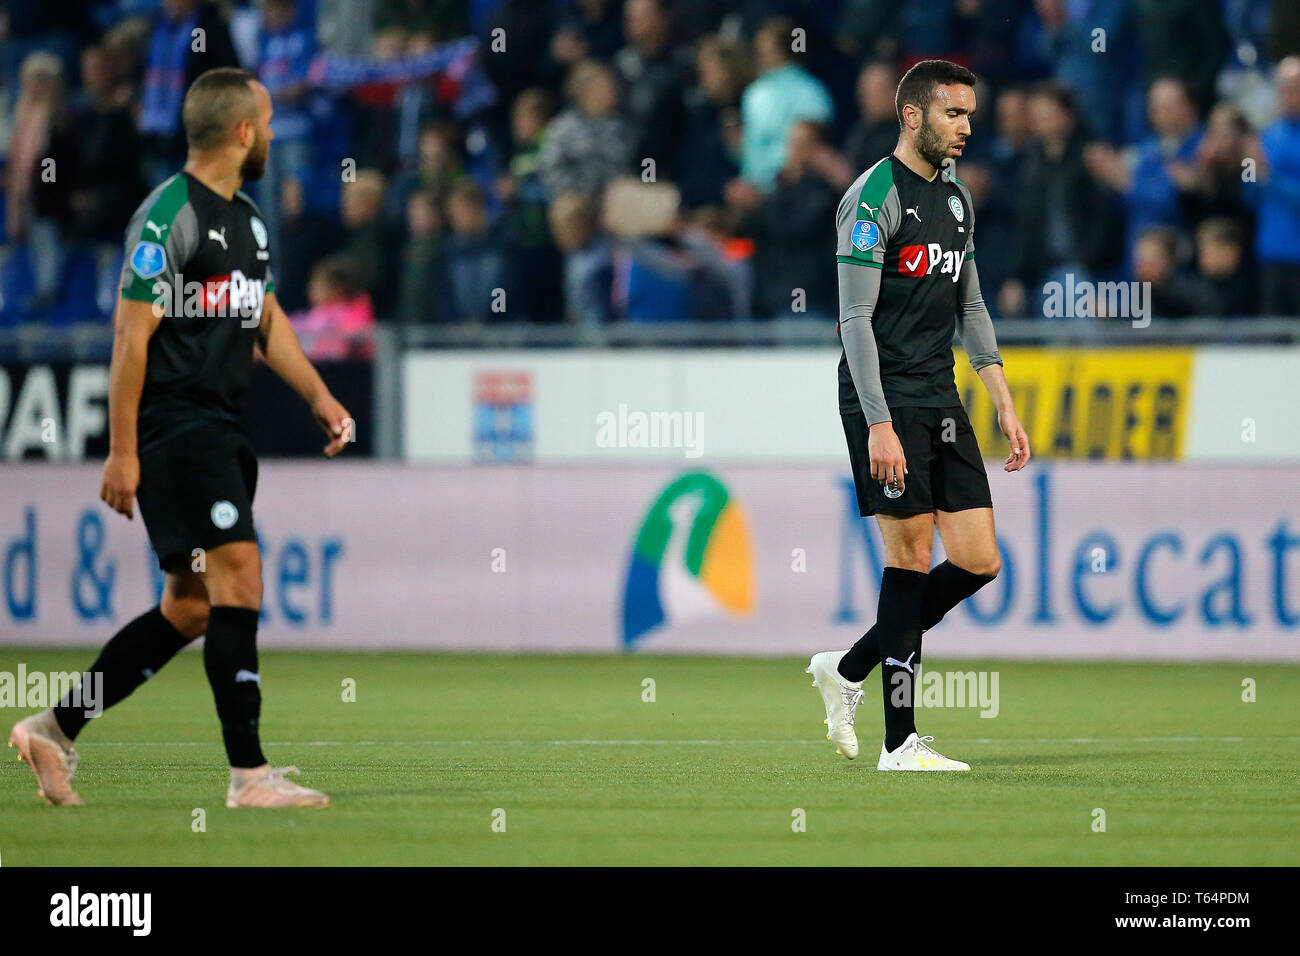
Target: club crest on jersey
x=866 y=235
x=259 y=231
x=224 y=515
x=148 y=259
x=955 y=205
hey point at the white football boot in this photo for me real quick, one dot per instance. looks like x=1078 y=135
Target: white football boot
x=915 y=753
x=43 y=747
x=267 y=787
x=841 y=699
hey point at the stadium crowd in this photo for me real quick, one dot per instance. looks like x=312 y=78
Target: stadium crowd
x=592 y=161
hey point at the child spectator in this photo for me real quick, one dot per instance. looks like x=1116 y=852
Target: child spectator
x=340 y=323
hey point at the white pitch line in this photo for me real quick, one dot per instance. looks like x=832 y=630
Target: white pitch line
x=720 y=743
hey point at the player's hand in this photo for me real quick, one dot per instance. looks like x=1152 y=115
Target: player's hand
x=336 y=421
x=888 y=464
x=1009 y=422
x=120 y=481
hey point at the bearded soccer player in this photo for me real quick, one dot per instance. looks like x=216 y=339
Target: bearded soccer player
x=197 y=298
x=907 y=280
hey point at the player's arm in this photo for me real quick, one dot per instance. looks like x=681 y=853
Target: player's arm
x=133 y=326
x=975 y=329
x=859 y=289
x=860 y=252
x=280 y=346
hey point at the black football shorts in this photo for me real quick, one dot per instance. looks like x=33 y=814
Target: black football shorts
x=196 y=491
x=945 y=471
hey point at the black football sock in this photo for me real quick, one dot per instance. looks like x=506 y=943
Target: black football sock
x=136 y=653
x=864 y=655
x=948 y=586
x=230 y=659
x=899 y=621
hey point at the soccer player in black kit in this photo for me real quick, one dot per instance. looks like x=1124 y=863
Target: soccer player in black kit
x=907 y=279
x=197 y=296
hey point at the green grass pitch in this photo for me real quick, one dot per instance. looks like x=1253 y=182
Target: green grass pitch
x=712 y=772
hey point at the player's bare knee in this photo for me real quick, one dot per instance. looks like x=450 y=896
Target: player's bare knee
x=188 y=614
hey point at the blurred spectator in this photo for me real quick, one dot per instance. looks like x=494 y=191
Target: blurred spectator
x=286 y=47
x=875 y=134
x=369 y=242
x=475 y=259
x=1067 y=35
x=592 y=28
x=1062 y=220
x=1145 y=182
x=423 y=286
x=340 y=323
x=438 y=20
x=589 y=144
x=519 y=189
x=306 y=236
x=995 y=189
x=109 y=179
x=711 y=138
x=654 y=84
x=1226 y=287
x=783 y=94
x=534 y=269
x=1211 y=184
x=1173 y=291
x=1186 y=39
x=1277 y=198
x=588 y=265
x=871 y=29
x=441 y=166
x=789 y=227
x=177 y=56
x=42 y=163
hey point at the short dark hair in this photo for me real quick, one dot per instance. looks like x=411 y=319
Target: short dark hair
x=216 y=101
x=917 y=86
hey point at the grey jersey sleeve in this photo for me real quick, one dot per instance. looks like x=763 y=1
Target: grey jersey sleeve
x=859 y=289
x=157 y=250
x=974 y=324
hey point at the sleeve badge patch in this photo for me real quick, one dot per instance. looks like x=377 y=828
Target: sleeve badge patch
x=148 y=259
x=866 y=235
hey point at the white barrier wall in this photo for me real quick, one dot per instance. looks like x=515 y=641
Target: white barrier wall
x=1162 y=561
x=779 y=405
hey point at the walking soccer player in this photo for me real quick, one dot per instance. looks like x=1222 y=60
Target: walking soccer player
x=197 y=297
x=907 y=281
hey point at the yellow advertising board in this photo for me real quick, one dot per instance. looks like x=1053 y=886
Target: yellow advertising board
x=1087 y=403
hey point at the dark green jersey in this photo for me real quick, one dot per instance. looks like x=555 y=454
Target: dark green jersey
x=204 y=261
x=920 y=235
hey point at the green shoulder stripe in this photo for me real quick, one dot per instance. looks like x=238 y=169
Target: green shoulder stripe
x=164 y=209
x=877 y=186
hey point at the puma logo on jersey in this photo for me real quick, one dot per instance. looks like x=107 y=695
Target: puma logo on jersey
x=219 y=236
x=157 y=229
x=911 y=211
x=906 y=665
x=868 y=208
